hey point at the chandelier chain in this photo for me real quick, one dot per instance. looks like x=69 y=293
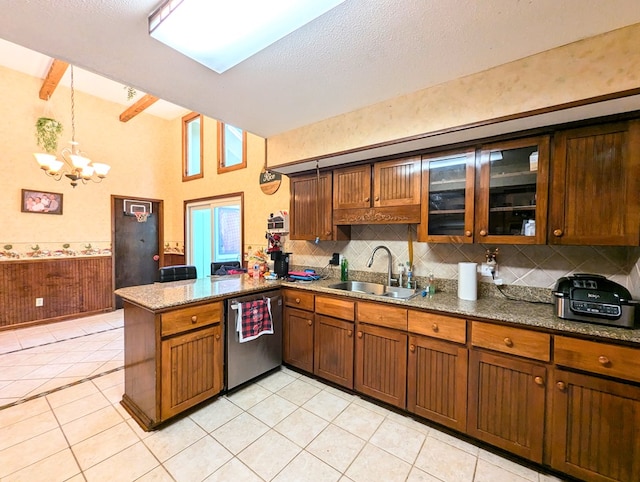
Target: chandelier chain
x=73 y=109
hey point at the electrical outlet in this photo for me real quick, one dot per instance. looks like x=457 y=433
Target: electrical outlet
x=39 y=301
x=486 y=269
x=335 y=260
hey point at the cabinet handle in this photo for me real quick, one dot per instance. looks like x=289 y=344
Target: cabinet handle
x=603 y=360
x=298 y=300
x=359 y=334
x=349 y=333
x=557 y=233
x=194 y=319
x=508 y=341
x=412 y=348
x=309 y=322
x=561 y=386
x=539 y=381
x=435 y=327
x=366 y=199
x=468 y=234
x=483 y=232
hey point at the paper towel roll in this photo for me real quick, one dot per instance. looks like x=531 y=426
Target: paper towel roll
x=468 y=281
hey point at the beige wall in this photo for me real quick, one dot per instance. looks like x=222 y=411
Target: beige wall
x=603 y=64
x=145 y=155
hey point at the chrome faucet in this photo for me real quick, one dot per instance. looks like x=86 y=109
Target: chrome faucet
x=370 y=262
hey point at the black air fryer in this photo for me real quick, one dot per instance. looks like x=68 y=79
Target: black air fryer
x=280 y=263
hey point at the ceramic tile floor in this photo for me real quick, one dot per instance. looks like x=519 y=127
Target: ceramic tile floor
x=285 y=427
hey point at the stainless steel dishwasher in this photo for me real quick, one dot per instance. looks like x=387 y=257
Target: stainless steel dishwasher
x=248 y=360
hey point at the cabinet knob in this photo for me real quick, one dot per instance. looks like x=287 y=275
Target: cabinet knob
x=483 y=232
x=359 y=334
x=366 y=199
x=194 y=319
x=309 y=322
x=557 y=233
x=298 y=300
x=603 y=360
x=412 y=348
x=468 y=234
x=435 y=327
x=508 y=341
x=561 y=386
x=377 y=198
x=539 y=381
x=217 y=336
x=349 y=333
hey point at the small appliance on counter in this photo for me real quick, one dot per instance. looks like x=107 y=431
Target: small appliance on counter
x=595 y=299
x=280 y=263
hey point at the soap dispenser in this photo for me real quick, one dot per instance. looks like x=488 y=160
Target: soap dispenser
x=344 y=270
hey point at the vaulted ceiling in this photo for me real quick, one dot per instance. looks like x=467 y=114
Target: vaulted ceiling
x=362 y=52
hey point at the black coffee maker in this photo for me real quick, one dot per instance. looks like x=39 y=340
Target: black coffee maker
x=280 y=263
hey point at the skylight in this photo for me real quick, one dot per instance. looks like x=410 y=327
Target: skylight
x=222 y=33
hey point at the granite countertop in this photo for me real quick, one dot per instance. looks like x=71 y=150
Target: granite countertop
x=162 y=296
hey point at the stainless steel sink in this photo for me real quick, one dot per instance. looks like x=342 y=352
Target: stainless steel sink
x=375 y=289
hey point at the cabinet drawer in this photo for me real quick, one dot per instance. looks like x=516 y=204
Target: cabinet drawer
x=603 y=358
x=299 y=299
x=514 y=341
x=184 y=319
x=382 y=315
x=438 y=326
x=343 y=309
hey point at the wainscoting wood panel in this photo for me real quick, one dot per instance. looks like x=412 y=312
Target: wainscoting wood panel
x=68 y=287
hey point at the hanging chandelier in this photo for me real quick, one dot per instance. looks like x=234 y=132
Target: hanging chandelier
x=75 y=166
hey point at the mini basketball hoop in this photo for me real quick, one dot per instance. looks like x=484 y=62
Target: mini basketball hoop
x=141 y=216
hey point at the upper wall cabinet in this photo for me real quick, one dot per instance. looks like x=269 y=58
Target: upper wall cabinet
x=448 y=197
x=595 y=188
x=385 y=192
x=311 y=207
x=511 y=201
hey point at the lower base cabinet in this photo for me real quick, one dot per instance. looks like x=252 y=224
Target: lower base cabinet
x=298 y=338
x=596 y=428
x=507 y=403
x=192 y=369
x=437 y=381
x=381 y=364
x=333 y=350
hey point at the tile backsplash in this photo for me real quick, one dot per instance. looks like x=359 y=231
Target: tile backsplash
x=522 y=265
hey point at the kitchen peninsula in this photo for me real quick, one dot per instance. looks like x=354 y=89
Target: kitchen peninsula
x=506 y=373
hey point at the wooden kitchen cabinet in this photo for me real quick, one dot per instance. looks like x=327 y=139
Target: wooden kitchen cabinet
x=448 y=184
x=334 y=340
x=506 y=405
x=173 y=360
x=595 y=186
x=437 y=381
x=311 y=213
x=512 y=192
x=192 y=369
x=298 y=338
x=595 y=428
x=381 y=364
x=383 y=192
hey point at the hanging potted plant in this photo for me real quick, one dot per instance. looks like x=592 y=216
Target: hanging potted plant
x=47 y=132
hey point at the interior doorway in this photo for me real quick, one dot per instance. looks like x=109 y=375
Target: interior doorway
x=137 y=252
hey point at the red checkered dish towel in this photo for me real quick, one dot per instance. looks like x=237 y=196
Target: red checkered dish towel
x=254 y=319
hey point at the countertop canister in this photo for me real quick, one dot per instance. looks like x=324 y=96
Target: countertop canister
x=468 y=281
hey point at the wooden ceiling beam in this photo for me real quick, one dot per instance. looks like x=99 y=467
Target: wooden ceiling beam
x=135 y=109
x=56 y=71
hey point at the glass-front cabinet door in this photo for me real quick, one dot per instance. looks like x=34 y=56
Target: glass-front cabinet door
x=447 y=204
x=512 y=193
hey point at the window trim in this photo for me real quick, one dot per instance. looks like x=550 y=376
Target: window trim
x=185 y=121
x=221 y=150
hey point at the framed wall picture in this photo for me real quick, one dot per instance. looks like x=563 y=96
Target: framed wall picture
x=41 y=202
